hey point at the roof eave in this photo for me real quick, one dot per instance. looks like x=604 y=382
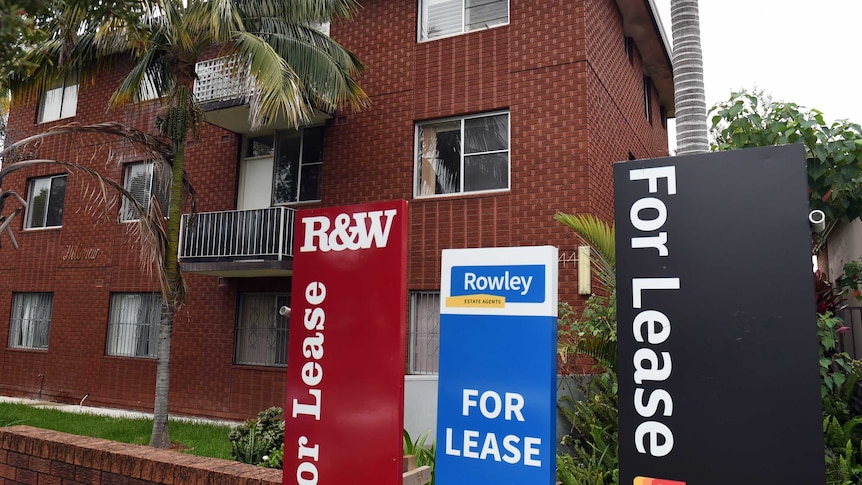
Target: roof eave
x=641 y=22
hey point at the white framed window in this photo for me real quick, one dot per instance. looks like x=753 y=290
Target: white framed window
x=443 y=18
x=60 y=100
x=31 y=320
x=423 y=334
x=45 y=202
x=142 y=181
x=460 y=155
x=133 y=325
x=261 y=332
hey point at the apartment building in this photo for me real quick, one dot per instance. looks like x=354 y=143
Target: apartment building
x=488 y=116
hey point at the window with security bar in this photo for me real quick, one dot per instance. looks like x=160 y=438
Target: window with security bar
x=261 y=332
x=423 y=337
x=31 y=320
x=133 y=325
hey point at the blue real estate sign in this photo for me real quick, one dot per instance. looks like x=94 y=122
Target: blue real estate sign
x=498 y=364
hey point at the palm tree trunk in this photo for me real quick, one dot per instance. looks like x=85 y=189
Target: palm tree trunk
x=691 y=128
x=161 y=436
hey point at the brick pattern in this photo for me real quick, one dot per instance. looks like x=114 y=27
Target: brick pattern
x=33 y=456
x=559 y=68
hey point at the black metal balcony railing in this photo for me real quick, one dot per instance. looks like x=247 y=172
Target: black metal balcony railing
x=260 y=234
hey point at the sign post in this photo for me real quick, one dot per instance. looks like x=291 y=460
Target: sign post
x=718 y=360
x=498 y=366
x=345 y=375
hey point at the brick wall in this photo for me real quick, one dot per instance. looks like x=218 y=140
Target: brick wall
x=33 y=456
x=559 y=68
x=575 y=104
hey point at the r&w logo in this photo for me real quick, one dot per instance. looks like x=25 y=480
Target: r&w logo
x=361 y=231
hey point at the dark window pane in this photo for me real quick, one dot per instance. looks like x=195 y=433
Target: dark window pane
x=310 y=176
x=486 y=172
x=259 y=146
x=485 y=134
x=312 y=145
x=287 y=167
x=57 y=199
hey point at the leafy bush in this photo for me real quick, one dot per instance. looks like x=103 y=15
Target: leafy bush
x=257 y=438
x=274 y=460
x=425 y=454
x=593 y=441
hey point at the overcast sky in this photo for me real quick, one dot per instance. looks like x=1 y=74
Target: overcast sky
x=803 y=51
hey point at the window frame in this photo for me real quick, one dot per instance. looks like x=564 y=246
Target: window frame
x=417 y=156
x=647 y=98
x=279 y=325
x=66 y=89
x=300 y=165
x=28 y=214
x=423 y=357
x=275 y=153
x=127 y=211
x=422 y=36
x=150 y=305
x=16 y=325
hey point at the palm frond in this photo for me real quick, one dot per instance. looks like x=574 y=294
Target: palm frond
x=317 y=11
x=278 y=89
x=601 y=237
x=327 y=71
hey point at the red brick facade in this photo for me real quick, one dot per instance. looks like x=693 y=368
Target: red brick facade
x=576 y=105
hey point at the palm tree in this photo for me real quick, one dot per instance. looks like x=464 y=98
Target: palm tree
x=688 y=86
x=295 y=69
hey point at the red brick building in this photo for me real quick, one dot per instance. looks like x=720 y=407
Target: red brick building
x=487 y=118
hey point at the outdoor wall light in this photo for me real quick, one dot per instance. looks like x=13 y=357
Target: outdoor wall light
x=817 y=219
x=584 y=270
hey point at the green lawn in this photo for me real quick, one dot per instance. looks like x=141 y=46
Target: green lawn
x=196 y=439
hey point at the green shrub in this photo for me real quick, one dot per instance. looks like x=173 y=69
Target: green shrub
x=257 y=438
x=425 y=454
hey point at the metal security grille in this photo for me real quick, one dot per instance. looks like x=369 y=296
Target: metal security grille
x=261 y=333
x=423 y=338
x=133 y=325
x=31 y=320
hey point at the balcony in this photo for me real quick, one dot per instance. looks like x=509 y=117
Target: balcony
x=238 y=244
x=225 y=90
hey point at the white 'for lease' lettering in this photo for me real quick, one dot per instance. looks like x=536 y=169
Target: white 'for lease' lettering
x=312 y=375
x=652 y=327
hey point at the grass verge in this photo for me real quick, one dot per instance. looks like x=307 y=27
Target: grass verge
x=193 y=438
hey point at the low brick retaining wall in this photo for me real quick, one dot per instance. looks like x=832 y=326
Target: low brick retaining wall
x=33 y=456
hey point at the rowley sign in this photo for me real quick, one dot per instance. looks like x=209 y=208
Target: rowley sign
x=345 y=375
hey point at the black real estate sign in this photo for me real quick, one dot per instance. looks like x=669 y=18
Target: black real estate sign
x=718 y=357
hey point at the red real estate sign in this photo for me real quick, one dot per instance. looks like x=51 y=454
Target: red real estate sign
x=344 y=415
